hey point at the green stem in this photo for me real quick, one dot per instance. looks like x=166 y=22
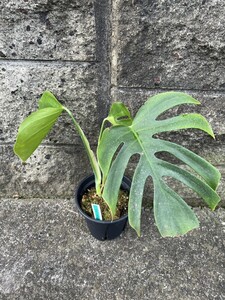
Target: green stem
x=90 y=153
x=101 y=130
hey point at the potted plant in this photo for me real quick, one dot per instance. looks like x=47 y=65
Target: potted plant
x=125 y=137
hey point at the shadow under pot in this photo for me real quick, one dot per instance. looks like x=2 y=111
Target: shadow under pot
x=101 y=230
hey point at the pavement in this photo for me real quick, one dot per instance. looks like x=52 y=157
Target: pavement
x=46 y=252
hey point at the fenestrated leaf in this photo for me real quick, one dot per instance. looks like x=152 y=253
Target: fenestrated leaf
x=208 y=172
x=107 y=148
x=173 y=216
x=34 y=129
x=136 y=193
x=160 y=103
x=197 y=185
x=183 y=121
x=116 y=170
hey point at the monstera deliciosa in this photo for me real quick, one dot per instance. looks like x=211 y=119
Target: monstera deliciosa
x=172 y=215
x=126 y=137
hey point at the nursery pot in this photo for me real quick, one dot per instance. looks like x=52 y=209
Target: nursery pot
x=101 y=230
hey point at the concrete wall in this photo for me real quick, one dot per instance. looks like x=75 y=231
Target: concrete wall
x=90 y=53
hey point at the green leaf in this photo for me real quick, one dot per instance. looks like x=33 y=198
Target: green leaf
x=49 y=100
x=209 y=173
x=136 y=193
x=160 y=103
x=119 y=114
x=34 y=129
x=116 y=171
x=117 y=135
x=118 y=143
x=183 y=121
x=173 y=216
x=197 y=185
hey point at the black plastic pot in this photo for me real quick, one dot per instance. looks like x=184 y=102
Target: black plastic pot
x=101 y=230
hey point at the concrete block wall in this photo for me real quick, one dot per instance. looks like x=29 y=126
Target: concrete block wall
x=91 y=53
x=59 y=46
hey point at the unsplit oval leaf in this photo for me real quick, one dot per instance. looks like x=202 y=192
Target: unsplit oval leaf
x=48 y=100
x=34 y=129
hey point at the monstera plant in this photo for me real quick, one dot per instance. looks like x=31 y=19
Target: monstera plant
x=124 y=138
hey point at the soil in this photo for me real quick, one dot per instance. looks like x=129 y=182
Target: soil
x=92 y=198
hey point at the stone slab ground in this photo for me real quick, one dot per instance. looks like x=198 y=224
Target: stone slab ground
x=48 y=253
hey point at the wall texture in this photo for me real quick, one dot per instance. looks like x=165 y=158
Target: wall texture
x=90 y=53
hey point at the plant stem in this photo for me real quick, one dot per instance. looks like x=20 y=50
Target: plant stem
x=90 y=153
x=101 y=130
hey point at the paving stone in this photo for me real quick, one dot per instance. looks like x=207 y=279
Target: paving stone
x=48 y=253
